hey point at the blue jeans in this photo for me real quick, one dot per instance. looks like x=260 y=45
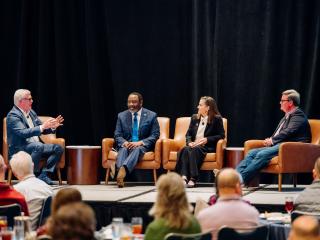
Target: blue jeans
x=255 y=160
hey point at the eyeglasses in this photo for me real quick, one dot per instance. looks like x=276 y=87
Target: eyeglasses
x=281 y=101
x=28 y=99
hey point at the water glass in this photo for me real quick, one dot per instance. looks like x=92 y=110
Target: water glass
x=136 y=223
x=116 y=227
x=22 y=226
x=126 y=232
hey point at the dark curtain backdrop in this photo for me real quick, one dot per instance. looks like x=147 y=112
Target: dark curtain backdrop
x=81 y=58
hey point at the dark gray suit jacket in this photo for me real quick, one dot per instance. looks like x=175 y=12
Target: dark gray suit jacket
x=295 y=129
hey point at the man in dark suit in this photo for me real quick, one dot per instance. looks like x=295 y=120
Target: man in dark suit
x=136 y=132
x=293 y=127
x=23 y=130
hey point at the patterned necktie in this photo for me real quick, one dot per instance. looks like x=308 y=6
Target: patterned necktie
x=135 y=135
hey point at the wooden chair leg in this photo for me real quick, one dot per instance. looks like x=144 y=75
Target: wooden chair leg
x=155 y=175
x=9 y=176
x=107 y=175
x=295 y=180
x=59 y=176
x=279 y=182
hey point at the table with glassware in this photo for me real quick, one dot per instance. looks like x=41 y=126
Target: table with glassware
x=120 y=230
x=279 y=224
x=20 y=230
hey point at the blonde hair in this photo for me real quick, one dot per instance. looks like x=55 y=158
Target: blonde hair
x=172 y=203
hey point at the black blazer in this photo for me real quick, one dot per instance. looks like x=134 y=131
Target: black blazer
x=295 y=129
x=213 y=132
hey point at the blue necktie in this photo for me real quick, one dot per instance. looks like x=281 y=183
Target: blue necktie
x=135 y=134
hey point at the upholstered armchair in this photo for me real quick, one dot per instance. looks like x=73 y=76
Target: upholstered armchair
x=151 y=160
x=171 y=147
x=48 y=138
x=293 y=157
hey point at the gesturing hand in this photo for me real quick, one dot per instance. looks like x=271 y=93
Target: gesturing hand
x=53 y=122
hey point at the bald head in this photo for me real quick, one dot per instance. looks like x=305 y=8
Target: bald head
x=229 y=182
x=305 y=228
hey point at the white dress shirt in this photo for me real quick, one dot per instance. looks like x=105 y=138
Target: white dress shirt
x=35 y=191
x=202 y=126
x=31 y=125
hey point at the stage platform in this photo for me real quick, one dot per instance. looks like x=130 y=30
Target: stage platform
x=135 y=199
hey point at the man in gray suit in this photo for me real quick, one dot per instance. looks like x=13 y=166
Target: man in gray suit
x=136 y=132
x=24 y=128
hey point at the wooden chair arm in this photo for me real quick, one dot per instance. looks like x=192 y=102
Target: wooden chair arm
x=298 y=156
x=59 y=141
x=251 y=144
x=169 y=145
x=107 y=144
x=221 y=145
x=157 y=151
x=5 y=150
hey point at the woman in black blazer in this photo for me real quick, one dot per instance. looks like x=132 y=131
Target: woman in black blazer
x=205 y=130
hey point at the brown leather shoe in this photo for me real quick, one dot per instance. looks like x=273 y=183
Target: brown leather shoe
x=120 y=177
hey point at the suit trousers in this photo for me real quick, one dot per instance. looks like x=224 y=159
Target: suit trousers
x=129 y=158
x=255 y=160
x=190 y=160
x=39 y=150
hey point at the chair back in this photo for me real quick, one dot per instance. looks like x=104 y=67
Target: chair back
x=182 y=125
x=254 y=233
x=183 y=236
x=45 y=211
x=315 y=130
x=295 y=214
x=10 y=211
x=225 y=127
x=5 y=149
x=164 y=124
x=181 y=128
